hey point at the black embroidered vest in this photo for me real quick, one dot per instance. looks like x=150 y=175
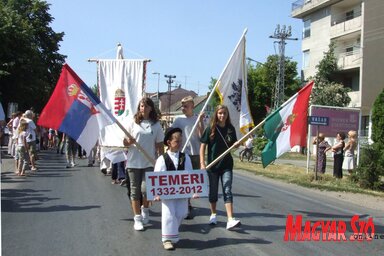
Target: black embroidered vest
x=169 y=164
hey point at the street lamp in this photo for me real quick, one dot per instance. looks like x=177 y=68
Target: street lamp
x=169 y=82
x=258 y=62
x=158 y=83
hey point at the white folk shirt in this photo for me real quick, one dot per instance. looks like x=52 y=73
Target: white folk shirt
x=160 y=163
x=147 y=135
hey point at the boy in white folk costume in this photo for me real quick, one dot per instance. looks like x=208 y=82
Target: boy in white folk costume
x=173 y=211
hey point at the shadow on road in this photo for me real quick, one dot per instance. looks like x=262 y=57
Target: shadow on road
x=30 y=200
x=217 y=243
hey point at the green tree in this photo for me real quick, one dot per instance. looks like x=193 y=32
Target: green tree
x=371 y=165
x=377 y=128
x=378 y=119
x=326 y=91
x=29 y=60
x=215 y=99
x=262 y=81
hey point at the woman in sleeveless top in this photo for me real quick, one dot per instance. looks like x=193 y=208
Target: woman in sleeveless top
x=349 y=155
x=338 y=156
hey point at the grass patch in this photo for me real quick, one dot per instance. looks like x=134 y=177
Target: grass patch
x=298 y=175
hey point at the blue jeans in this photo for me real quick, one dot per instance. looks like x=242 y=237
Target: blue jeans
x=226 y=177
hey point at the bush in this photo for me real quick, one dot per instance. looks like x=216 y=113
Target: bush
x=258 y=145
x=368 y=172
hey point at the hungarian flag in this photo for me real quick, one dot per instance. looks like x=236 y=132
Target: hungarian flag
x=287 y=126
x=75 y=110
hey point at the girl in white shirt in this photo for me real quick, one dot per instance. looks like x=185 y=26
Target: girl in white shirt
x=22 y=148
x=147 y=132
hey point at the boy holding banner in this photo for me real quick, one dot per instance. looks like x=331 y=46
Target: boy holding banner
x=173 y=211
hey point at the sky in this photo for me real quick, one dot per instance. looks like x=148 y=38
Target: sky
x=192 y=40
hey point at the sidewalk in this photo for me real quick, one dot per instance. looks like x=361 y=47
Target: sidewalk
x=7 y=162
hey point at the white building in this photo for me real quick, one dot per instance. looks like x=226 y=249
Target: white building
x=357 y=28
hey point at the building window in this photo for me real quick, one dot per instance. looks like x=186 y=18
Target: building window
x=306 y=59
x=307 y=28
x=364 y=125
x=349 y=15
x=349 y=51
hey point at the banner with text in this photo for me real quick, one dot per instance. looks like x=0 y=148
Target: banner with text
x=176 y=184
x=340 y=120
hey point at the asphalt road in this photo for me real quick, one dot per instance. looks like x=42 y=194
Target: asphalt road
x=60 y=211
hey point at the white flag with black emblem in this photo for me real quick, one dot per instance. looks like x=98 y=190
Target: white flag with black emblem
x=233 y=90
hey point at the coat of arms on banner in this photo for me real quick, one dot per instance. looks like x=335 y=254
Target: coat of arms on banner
x=119 y=102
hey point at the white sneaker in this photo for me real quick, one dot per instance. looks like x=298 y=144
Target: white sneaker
x=145 y=215
x=233 y=223
x=213 y=219
x=138 y=225
x=68 y=165
x=73 y=164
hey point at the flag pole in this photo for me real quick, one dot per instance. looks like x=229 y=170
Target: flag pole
x=213 y=91
x=230 y=148
x=138 y=146
x=257 y=126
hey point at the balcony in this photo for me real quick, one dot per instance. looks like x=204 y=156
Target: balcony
x=302 y=8
x=342 y=26
x=349 y=60
x=355 y=99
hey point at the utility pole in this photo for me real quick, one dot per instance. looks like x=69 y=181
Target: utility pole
x=169 y=82
x=158 y=84
x=282 y=35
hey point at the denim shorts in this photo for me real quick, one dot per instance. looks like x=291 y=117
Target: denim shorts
x=226 y=177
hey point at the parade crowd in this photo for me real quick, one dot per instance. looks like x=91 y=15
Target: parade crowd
x=210 y=141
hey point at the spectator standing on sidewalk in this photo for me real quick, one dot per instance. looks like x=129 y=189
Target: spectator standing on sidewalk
x=349 y=149
x=321 y=155
x=186 y=123
x=338 y=155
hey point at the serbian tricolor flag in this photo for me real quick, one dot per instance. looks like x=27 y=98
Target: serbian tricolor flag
x=287 y=126
x=75 y=110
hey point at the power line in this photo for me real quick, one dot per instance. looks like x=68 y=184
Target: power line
x=282 y=35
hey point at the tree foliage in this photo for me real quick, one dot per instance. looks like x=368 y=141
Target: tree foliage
x=371 y=166
x=29 y=60
x=378 y=120
x=326 y=91
x=262 y=81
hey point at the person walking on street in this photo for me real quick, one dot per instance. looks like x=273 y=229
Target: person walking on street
x=173 y=211
x=186 y=123
x=70 y=150
x=22 y=149
x=147 y=132
x=31 y=138
x=218 y=137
